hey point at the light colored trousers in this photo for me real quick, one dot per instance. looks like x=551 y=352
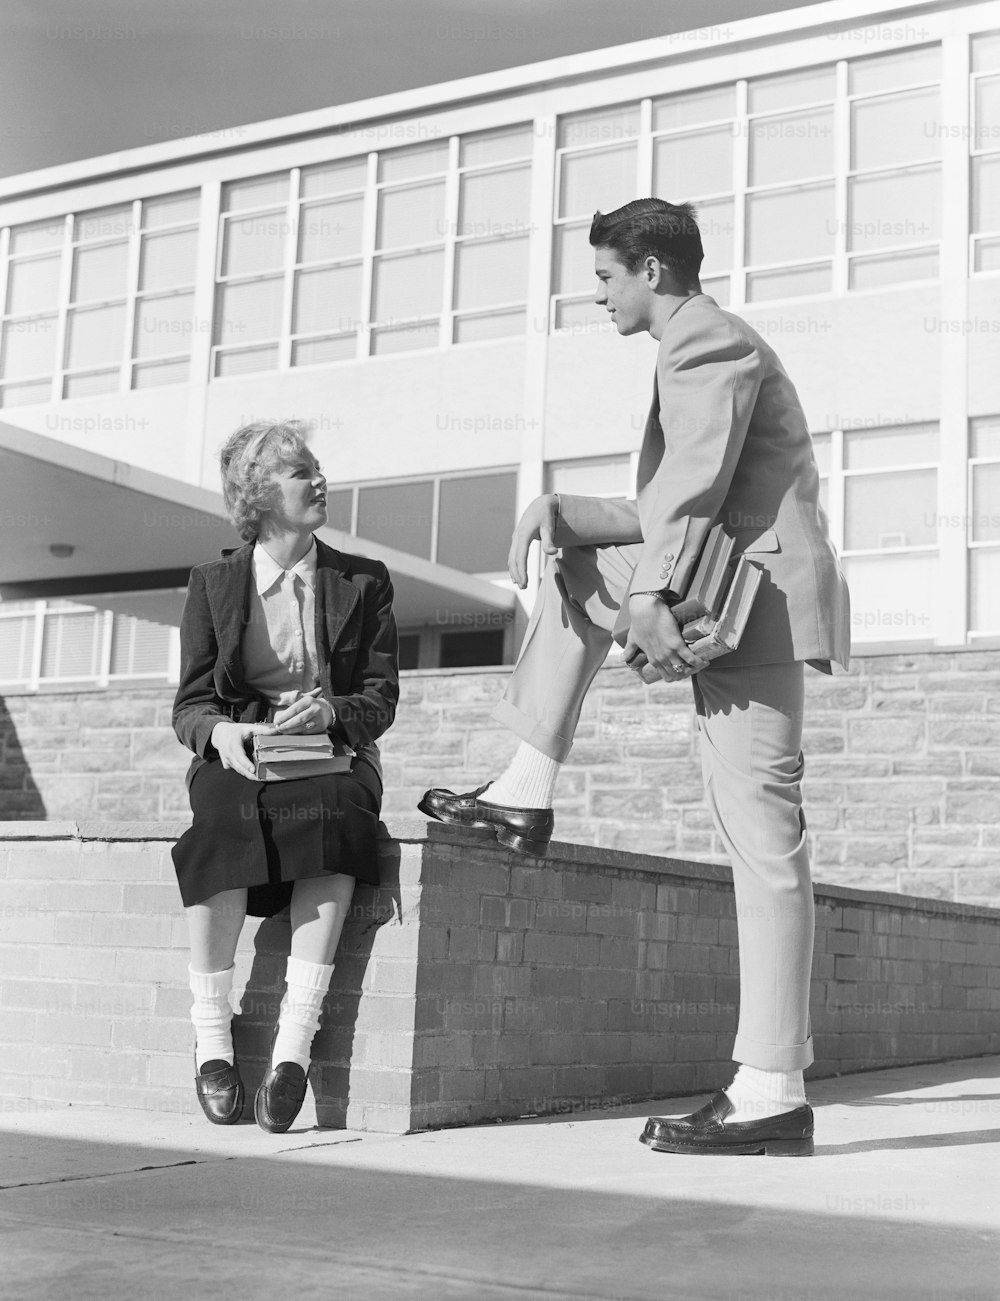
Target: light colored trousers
x=750 y=726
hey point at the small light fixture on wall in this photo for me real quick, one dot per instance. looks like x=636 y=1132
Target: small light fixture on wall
x=61 y=550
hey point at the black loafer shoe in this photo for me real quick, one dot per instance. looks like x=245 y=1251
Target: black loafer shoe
x=705 y=1131
x=526 y=830
x=280 y=1096
x=220 y=1092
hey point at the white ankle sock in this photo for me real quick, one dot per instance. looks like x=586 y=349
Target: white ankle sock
x=298 y=1019
x=212 y=1014
x=528 y=782
x=756 y=1094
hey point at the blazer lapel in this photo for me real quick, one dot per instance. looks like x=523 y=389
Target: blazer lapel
x=227 y=587
x=335 y=599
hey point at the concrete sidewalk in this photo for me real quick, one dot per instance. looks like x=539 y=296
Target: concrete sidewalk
x=901 y=1201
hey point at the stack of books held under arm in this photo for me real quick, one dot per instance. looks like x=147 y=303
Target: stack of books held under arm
x=281 y=758
x=713 y=612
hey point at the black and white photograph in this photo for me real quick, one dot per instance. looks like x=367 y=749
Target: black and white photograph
x=500 y=650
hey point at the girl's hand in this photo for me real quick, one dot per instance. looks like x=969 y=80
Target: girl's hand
x=309 y=714
x=230 y=740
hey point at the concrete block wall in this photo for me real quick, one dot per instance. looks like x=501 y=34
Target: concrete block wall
x=472 y=985
x=902 y=780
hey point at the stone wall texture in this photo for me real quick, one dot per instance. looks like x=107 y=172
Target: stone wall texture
x=471 y=986
x=902 y=781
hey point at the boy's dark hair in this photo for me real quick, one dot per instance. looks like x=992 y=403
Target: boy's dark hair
x=652 y=228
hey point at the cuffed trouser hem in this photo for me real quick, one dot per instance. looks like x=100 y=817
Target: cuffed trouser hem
x=773 y=1057
x=531 y=730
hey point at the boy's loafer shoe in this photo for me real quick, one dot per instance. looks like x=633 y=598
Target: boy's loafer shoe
x=706 y=1131
x=526 y=830
x=220 y=1093
x=280 y=1096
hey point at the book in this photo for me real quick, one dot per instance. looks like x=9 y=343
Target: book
x=283 y=758
x=707 y=588
x=723 y=634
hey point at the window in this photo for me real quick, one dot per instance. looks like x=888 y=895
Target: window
x=30 y=321
x=254 y=228
x=985 y=209
x=596 y=168
x=984 y=526
x=894 y=181
x=470 y=649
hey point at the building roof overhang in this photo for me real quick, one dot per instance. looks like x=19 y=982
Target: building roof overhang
x=132 y=529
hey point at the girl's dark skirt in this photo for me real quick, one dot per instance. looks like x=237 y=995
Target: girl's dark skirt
x=265 y=836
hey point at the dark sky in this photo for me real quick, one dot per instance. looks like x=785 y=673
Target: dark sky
x=80 y=78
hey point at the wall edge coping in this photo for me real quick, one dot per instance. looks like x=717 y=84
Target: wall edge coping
x=415 y=831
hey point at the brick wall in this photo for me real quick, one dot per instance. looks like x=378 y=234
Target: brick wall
x=473 y=985
x=902 y=786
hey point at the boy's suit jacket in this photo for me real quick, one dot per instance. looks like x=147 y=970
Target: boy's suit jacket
x=726 y=440
x=356 y=646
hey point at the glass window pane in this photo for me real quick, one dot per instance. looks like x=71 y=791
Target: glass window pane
x=414 y=215
x=330 y=230
x=495 y=203
x=984 y=437
x=792 y=282
x=23 y=395
x=986 y=503
x=893 y=598
x=601 y=126
x=986 y=193
x=718 y=289
x=245 y=312
x=409 y=650
x=573 y=260
x=462 y=650
x=492 y=272
x=985 y=51
x=99 y=272
x=318 y=352
x=496 y=146
x=604 y=179
x=787 y=89
x=497 y=325
x=987 y=130
x=790 y=224
x=896 y=129
x=875 y=449
x=687 y=165
x=256 y=192
x=246 y=361
x=822 y=450
x=694 y=107
x=897 y=208
x=33 y=286
x=94 y=336
x=339 y=506
x=475 y=521
x=90 y=385
x=408 y=286
x=163 y=325
x=987 y=255
x=890 y=510
x=984 y=576
x=581 y=316
x=138 y=646
x=105 y=223
x=327 y=300
x=17 y=640
x=896 y=268
x=170 y=209
x=900 y=68
x=151 y=374
x=416 y=160
x=168 y=261
x=604 y=476
x=791 y=147
x=253 y=244
x=405 y=338
x=29 y=347
x=38 y=235
x=333 y=178
x=716 y=222
x=71 y=645
x=397 y=515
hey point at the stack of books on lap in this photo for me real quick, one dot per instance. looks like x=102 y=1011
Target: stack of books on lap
x=714 y=610
x=281 y=758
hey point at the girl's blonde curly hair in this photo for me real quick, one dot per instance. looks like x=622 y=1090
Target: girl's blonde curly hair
x=248 y=461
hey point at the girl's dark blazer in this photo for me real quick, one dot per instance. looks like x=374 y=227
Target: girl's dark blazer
x=356 y=645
